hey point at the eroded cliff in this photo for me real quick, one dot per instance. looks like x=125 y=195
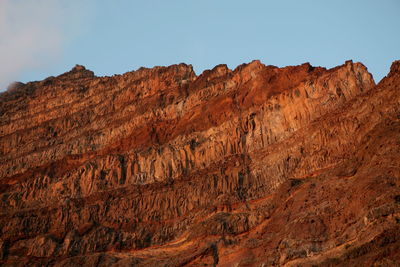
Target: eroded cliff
x=256 y=166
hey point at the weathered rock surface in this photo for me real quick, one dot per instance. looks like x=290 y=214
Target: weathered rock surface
x=257 y=166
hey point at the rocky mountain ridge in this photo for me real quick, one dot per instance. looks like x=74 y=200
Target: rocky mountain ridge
x=256 y=166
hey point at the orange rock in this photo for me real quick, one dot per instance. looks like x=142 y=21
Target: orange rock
x=256 y=166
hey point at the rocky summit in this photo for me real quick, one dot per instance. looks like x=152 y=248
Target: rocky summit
x=256 y=166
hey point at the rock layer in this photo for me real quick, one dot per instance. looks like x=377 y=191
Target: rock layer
x=257 y=166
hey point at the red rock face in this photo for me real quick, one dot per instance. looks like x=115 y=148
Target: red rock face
x=257 y=166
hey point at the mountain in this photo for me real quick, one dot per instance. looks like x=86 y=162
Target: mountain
x=256 y=166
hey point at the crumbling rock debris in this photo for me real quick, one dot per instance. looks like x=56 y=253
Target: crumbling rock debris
x=256 y=166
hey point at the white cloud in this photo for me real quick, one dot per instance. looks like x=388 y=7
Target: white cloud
x=33 y=34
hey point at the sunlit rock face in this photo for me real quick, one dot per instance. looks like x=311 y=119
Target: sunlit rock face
x=257 y=166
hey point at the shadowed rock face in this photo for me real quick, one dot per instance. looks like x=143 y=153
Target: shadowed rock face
x=257 y=166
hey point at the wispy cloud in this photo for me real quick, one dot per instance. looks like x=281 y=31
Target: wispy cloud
x=33 y=34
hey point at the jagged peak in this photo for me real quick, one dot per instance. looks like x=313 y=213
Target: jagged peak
x=393 y=73
x=394 y=68
x=217 y=71
x=254 y=64
x=78 y=67
x=77 y=72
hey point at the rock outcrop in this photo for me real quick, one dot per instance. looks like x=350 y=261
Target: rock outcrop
x=257 y=166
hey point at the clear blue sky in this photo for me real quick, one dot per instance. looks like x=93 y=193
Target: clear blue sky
x=112 y=37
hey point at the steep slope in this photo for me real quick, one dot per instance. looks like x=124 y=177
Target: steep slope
x=257 y=165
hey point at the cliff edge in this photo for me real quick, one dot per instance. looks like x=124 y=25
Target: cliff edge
x=256 y=166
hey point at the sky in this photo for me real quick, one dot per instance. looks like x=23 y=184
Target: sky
x=41 y=38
